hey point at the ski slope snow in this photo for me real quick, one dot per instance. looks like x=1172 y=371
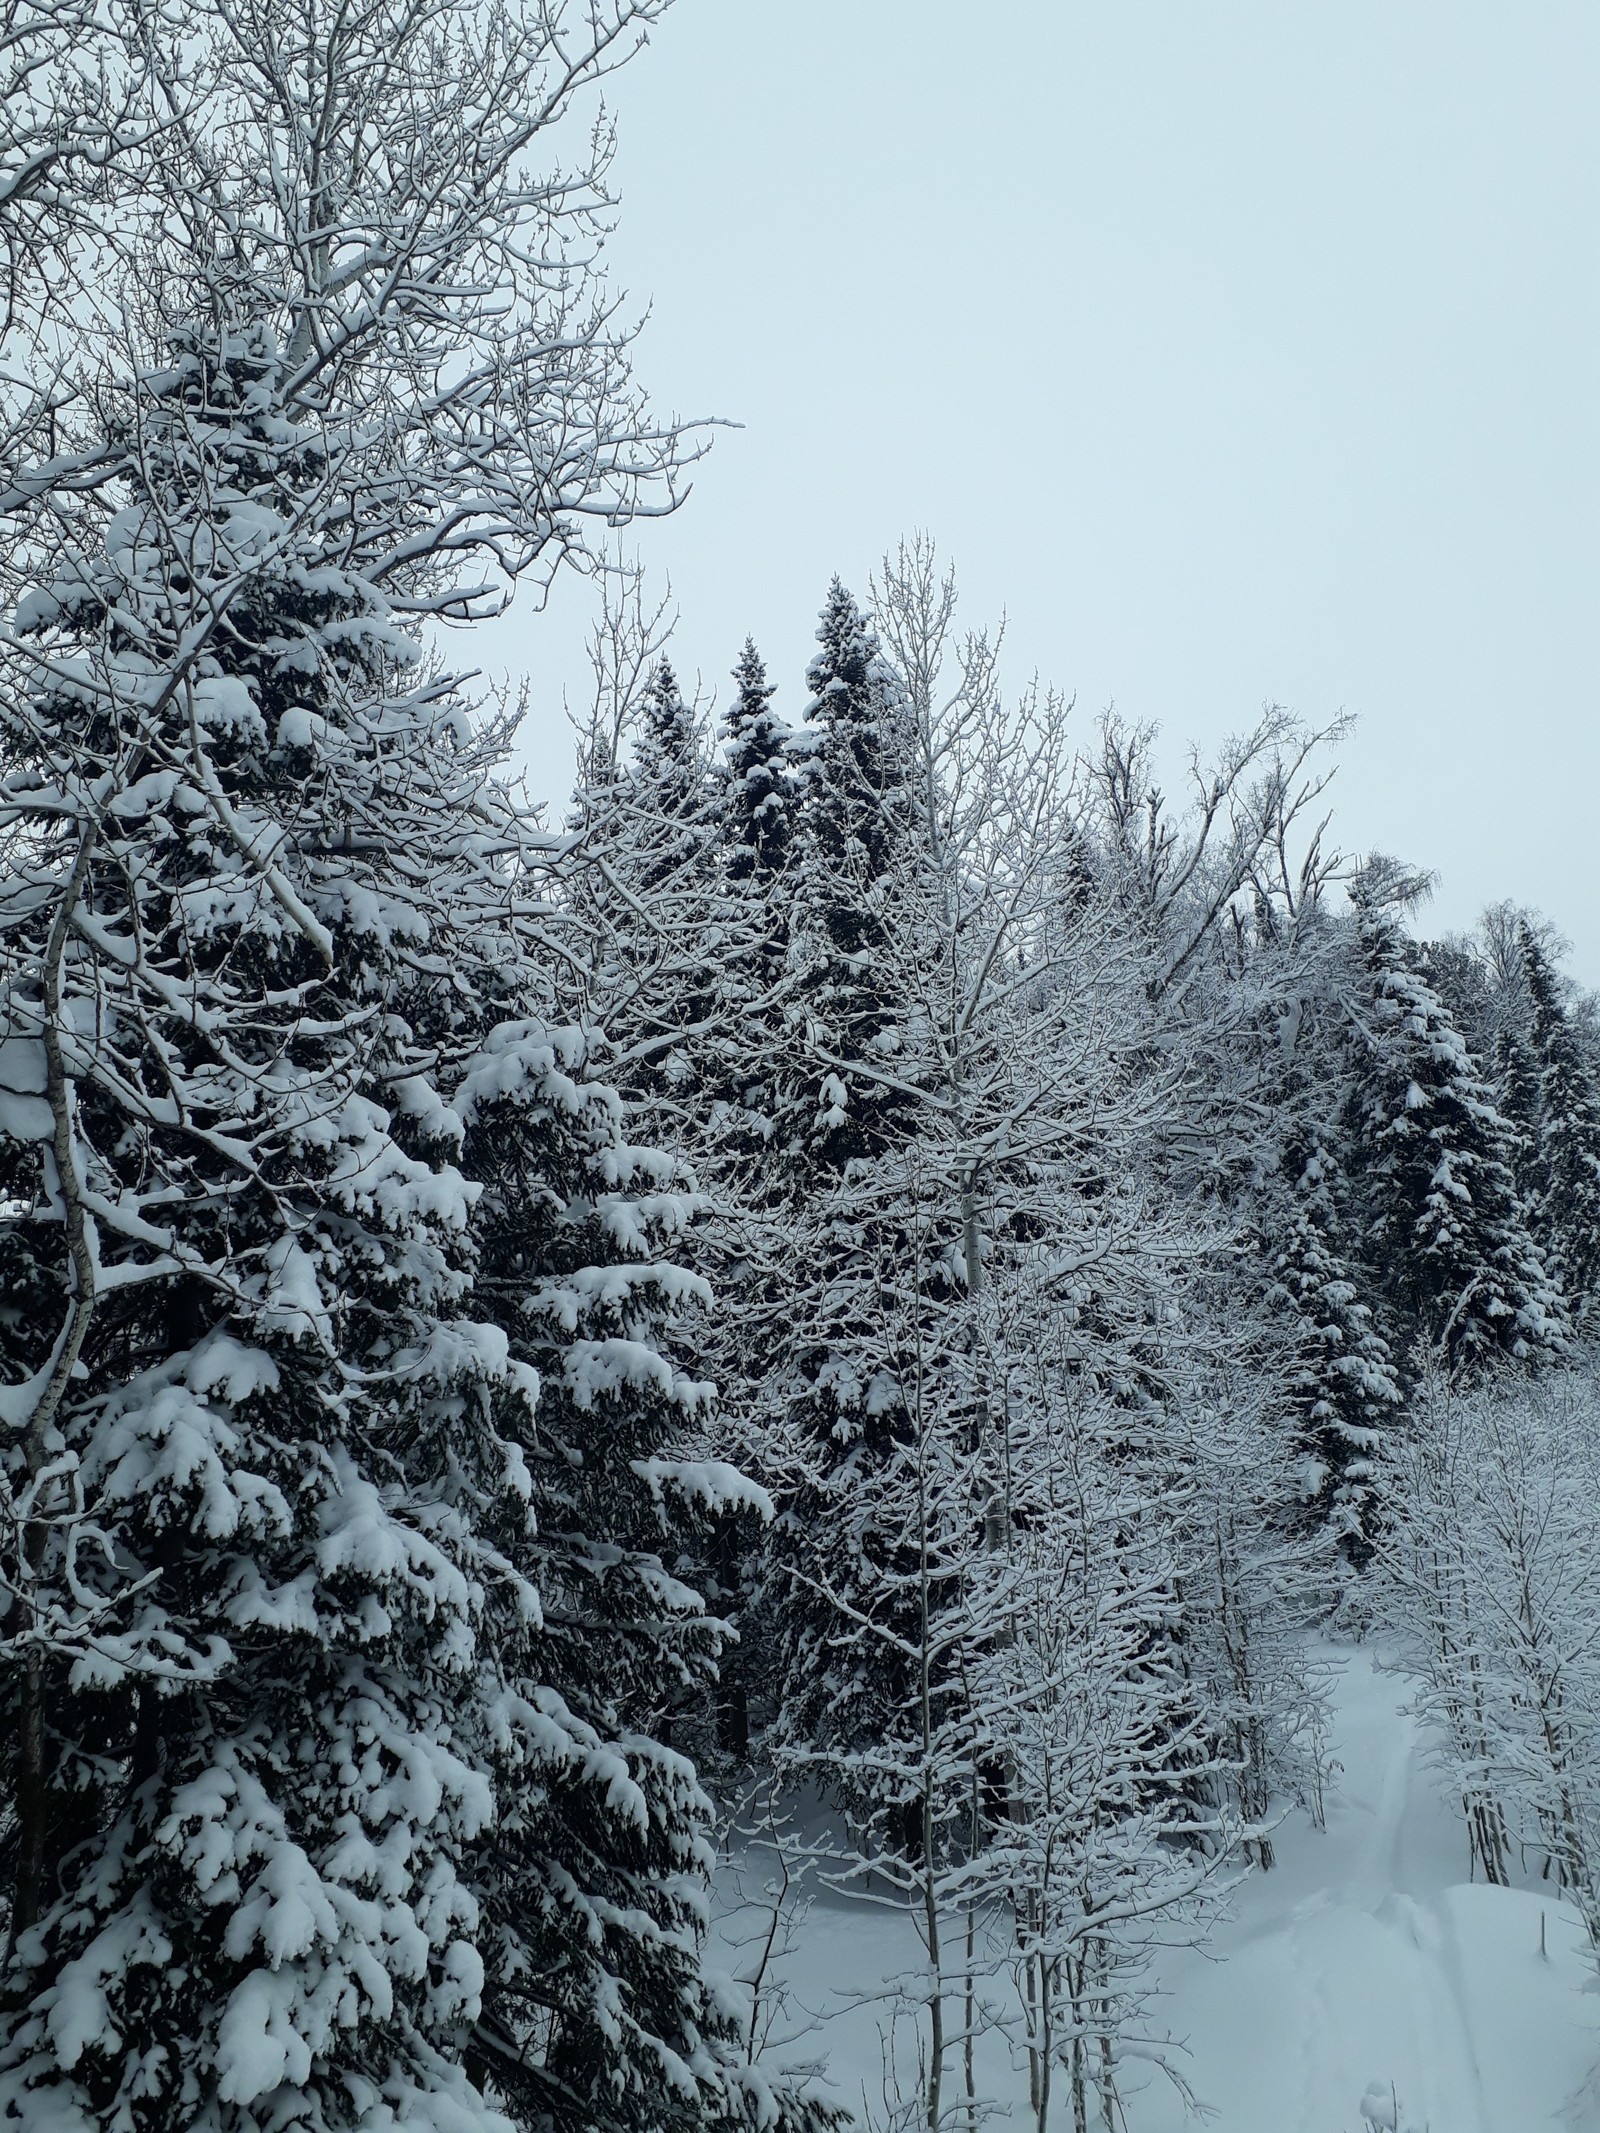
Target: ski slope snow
x=1363 y=1983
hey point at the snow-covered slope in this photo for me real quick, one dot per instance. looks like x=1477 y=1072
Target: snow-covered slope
x=1366 y=1959
x=1363 y=1968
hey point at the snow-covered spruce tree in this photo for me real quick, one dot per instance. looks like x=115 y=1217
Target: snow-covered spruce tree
x=677 y=960
x=755 y=776
x=334 y=1483
x=740 y=1054
x=754 y=816
x=856 y=821
x=1443 y=1229
x=594 y=1870
x=1460 y=975
x=1341 y=1374
x=843 y=1112
x=1516 y=1090
x=1566 y=1164
x=1507 y=1025
x=1287 y=1061
x=912 y=1101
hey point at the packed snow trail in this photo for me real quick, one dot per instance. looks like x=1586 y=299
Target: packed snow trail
x=1364 y=1965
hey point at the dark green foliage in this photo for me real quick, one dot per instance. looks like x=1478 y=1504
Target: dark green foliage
x=756 y=778
x=1342 y=1378
x=1516 y=1078
x=1567 y=1160
x=1442 y=1226
x=855 y=829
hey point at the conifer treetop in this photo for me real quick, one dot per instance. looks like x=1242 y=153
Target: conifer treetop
x=1567 y=1157
x=1445 y=1223
x=757 y=774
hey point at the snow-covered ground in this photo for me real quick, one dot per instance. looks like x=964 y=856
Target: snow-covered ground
x=1364 y=1963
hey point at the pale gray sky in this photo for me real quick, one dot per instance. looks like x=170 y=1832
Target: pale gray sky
x=1238 y=351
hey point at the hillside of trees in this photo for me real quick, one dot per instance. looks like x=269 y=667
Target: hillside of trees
x=881 y=1259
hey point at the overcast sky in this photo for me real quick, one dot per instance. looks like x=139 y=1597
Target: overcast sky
x=1238 y=352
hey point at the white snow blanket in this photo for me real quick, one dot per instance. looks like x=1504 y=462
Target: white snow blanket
x=1362 y=1984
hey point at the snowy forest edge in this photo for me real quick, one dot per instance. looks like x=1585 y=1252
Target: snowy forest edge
x=861 y=1299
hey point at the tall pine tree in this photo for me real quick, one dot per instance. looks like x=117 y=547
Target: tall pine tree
x=1567 y=1160
x=855 y=825
x=756 y=776
x=1444 y=1230
x=1341 y=1375
x=857 y=1256
x=1516 y=1086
